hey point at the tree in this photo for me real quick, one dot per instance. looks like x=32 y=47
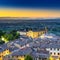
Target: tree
x=1 y=33
x=2 y=42
x=15 y=34
x=8 y=37
x=28 y=57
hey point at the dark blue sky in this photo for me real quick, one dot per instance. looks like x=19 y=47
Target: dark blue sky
x=31 y=3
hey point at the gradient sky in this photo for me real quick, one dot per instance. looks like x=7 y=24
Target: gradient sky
x=31 y=3
x=30 y=8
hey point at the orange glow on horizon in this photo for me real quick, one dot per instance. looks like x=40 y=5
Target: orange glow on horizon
x=29 y=13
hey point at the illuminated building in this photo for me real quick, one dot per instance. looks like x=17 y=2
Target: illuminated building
x=4 y=51
x=35 y=34
x=54 y=50
x=18 y=55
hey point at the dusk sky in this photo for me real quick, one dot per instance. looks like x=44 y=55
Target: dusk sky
x=30 y=8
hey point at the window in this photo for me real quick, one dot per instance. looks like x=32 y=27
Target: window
x=7 y=49
x=51 y=48
x=58 y=53
x=58 y=49
x=17 y=56
x=54 y=53
x=51 y=53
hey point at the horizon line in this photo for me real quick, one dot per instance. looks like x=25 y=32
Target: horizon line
x=26 y=18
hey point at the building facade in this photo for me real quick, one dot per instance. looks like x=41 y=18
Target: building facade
x=35 y=34
x=54 y=50
x=4 y=53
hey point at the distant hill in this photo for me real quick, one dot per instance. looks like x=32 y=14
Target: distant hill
x=26 y=19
